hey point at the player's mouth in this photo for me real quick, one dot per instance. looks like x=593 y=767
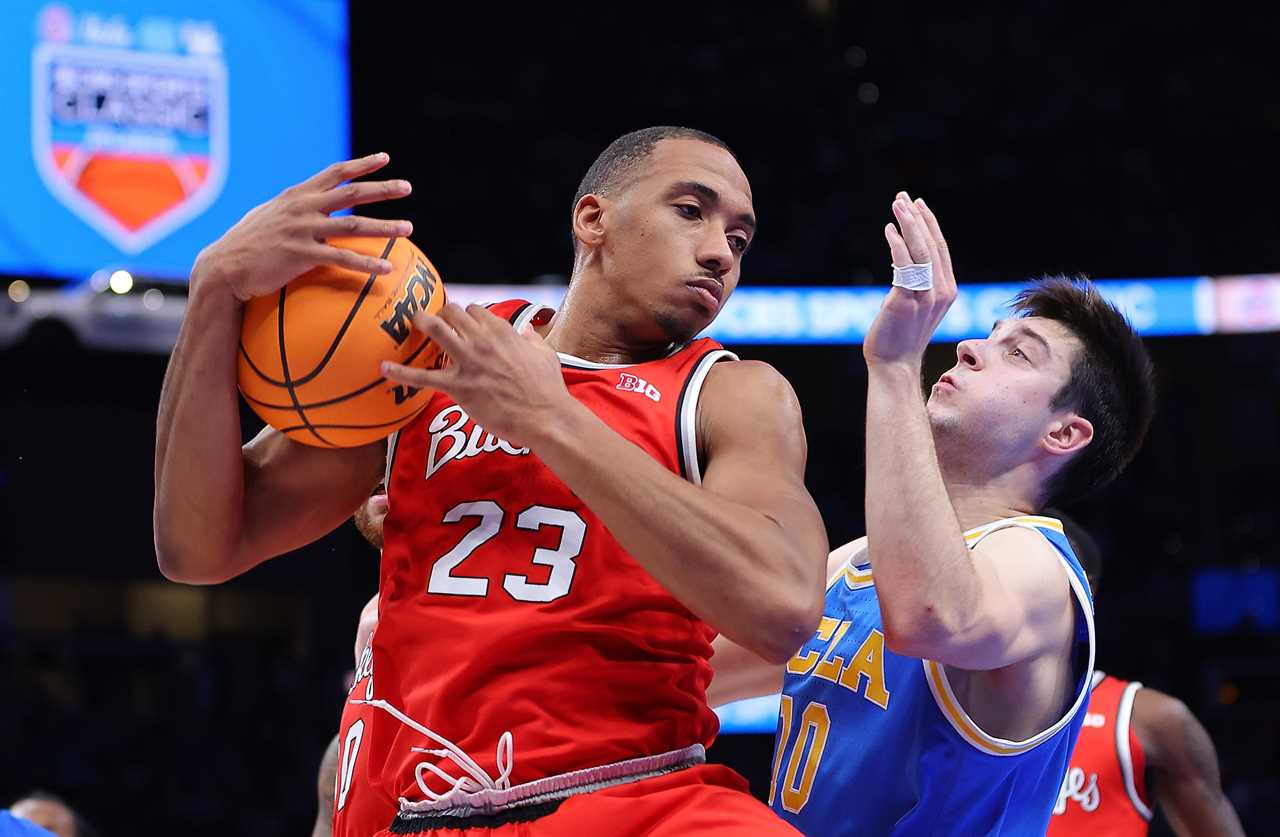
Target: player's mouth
x=945 y=382
x=707 y=291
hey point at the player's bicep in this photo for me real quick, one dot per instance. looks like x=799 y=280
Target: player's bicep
x=752 y=439
x=1024 y=605
x=295 y=493
x=1184 y=765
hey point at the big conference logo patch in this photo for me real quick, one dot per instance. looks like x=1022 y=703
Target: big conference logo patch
x=132 y=140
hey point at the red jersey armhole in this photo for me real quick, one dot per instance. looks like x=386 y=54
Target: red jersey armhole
x=1139 y=758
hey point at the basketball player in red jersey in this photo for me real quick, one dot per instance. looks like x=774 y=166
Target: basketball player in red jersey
x=368 y=521
x=587 y=499
x=1138 y=747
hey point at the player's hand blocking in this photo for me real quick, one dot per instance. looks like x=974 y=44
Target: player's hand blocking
x=286 y=236
x=907 y=319
x=509 y=383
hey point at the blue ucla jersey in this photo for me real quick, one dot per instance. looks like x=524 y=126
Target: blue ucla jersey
x=874 y=743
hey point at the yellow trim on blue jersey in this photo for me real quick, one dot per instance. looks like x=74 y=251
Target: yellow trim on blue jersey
x=856 y=578
x=960 y=720
x=936 y=675
x=1024 y=520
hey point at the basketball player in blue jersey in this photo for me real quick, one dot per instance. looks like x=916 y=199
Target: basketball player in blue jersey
x=943 y=690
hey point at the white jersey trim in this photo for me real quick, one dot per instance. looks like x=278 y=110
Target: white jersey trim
x=1124 y=716
x=391 y=458
x=936 y=674
x=526 y=316
x=687 y=421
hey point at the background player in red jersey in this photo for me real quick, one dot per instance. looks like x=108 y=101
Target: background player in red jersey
x=671 y=516
x=368 y=520
x=1139 y=748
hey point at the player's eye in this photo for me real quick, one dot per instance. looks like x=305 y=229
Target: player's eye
x=689 y=210
x=739 y=243
x=1016 y=352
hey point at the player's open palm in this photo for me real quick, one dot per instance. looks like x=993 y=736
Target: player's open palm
x=908 y=318
x=286 y=236
x=509 y=382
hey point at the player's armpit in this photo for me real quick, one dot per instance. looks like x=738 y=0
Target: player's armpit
x=296 y=493
x=1182 y=767
x=1023 y=607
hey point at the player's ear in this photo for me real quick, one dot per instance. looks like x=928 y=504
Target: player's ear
x=1068 y=434
x=588 y=219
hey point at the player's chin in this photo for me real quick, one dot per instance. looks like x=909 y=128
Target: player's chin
x=940 y=413
x=681 y=326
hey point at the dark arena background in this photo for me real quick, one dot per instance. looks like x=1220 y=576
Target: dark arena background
x=1137 y=143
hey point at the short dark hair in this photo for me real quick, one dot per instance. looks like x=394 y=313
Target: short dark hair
x=1112 y=382
x=621 y=157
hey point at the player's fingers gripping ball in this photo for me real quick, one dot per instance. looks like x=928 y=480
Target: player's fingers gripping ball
x=310 y=355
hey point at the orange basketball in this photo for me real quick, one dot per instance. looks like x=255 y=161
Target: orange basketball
x=310 y=355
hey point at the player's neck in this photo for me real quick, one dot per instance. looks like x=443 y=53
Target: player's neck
x=979 y=502
x=589 y=328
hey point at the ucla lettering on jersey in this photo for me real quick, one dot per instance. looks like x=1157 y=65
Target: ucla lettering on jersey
x=870 y=742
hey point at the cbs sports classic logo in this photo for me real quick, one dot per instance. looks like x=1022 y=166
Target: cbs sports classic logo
x=129 y=120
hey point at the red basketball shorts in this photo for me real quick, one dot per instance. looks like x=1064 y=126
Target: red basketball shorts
x=704 y=800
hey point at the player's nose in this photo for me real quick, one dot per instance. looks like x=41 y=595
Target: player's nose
x=714 y=251
x=969 y=353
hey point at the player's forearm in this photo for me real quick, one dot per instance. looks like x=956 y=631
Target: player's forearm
x=924 y=579
x=199 y=473
x=740 y=674
x=731 y=565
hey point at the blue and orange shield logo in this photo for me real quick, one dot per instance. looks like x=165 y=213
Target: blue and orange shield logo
x=133 y=142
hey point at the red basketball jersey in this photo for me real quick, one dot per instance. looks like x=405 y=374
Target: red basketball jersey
x=507 y=606
x=1103 y=793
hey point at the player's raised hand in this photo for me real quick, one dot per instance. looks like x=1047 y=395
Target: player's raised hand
x=908 y=318
x=286 y=236
x=509 y=382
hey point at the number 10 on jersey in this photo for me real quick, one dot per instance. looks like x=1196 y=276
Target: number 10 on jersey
x=573 y=530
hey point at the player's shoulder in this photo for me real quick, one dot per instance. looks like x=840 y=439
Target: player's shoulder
x=1018 y=545
x=1028 y=565
x=748 y=404
x=1160 y=712
x=740 y=381
x=1171 y=735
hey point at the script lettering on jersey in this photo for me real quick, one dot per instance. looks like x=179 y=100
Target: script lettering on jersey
x=449 y=441
x=419 y=288
x=1076 y=787
x=862 y=673
x=364 y=668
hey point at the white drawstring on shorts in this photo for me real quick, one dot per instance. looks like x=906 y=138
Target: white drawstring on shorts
x=476 y=779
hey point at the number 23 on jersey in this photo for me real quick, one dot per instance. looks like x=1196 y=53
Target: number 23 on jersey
x=447 y=578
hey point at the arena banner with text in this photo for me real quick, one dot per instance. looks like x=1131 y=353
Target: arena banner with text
x=138 y=130
x=842 y=315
